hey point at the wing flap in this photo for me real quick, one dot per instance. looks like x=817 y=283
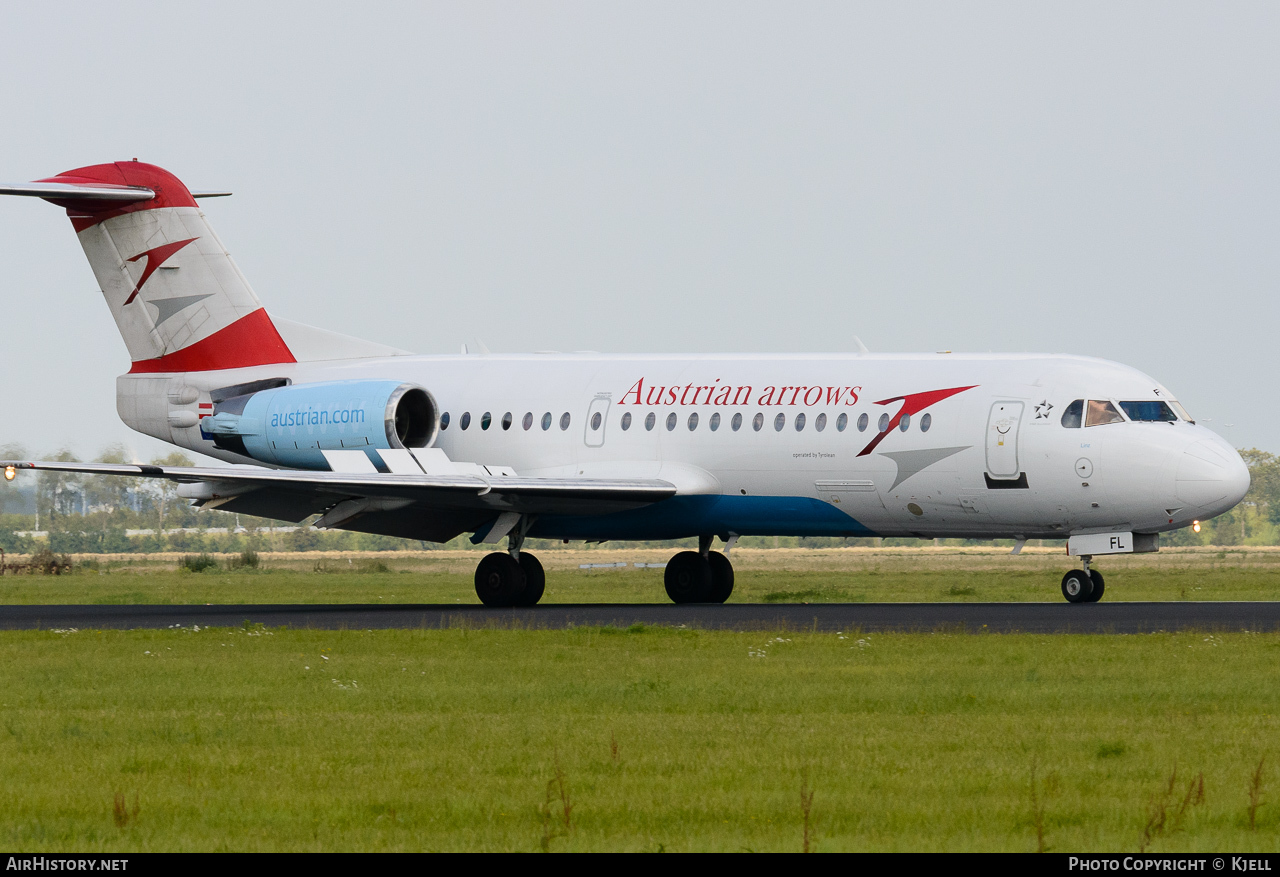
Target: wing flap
x=281 y=505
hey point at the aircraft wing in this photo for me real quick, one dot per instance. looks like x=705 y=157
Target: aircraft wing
x=432 y=507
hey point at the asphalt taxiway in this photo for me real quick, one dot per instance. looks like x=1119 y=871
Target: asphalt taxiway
x=1105 y=617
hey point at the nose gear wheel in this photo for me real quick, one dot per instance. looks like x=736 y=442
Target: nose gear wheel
x=1077 y=586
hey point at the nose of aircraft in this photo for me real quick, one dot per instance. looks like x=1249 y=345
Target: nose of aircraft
x=1212 y=477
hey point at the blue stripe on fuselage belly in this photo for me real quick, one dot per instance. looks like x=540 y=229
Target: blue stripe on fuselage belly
x=683 y=516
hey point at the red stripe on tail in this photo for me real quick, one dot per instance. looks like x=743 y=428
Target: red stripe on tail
x=250 y=340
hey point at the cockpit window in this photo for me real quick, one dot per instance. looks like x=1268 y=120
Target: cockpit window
x=1073 y=417
x=1149 y=412
x=1100 y=413
x=1182 y=412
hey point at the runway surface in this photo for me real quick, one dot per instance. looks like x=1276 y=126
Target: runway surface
x=1113 y=617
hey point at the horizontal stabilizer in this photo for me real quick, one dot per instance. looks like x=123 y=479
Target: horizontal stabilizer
x=105 y=193
x=101 y=192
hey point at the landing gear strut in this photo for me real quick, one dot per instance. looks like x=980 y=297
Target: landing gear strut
x=702 y=576
x=511 y=578
x=1083 y=585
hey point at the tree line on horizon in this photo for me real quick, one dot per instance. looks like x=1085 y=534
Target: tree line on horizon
x=91 y=514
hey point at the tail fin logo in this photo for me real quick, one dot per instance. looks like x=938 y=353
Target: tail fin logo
x=156 y=256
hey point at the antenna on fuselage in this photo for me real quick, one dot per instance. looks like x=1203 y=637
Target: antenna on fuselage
x=862 y=348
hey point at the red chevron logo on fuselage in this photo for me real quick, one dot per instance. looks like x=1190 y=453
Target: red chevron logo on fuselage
x=155 y=257
x=912 y=404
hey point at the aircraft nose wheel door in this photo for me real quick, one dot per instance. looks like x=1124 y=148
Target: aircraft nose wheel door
x=1002 y=440
x=597 y=419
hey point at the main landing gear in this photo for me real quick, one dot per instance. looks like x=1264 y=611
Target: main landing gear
x=514 y=578
x=1083 y=585
x=510 y=578
x=702 y=576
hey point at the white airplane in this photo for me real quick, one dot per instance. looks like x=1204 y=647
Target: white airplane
x=599 y=447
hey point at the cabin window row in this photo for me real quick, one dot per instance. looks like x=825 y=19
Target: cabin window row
x=780 y=421
x=486 y=420
x=798 y=423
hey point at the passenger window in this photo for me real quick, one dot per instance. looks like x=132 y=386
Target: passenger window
x=884 y=423
x=779 y=422
x=564 y=420
x=736 y=423
x=626 y=421
x=528 y=420
x=1101 y=412
x=926 y=422
x=506 y=421
x=905 y=422
x=546 y=421
x=820 y=422
x=862 y=422
x=465 y=420
x=1149 y=412
x=485 y=420
x=671 y=421
x=1073 y=417
x=757 y=422
x=444 y=421
x=693 y=421
x=650 y=420
x=800 y=422
x=841 y=422
x=714 y=423
x=595 y=421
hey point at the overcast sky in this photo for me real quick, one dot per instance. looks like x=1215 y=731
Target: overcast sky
x=1079 y=178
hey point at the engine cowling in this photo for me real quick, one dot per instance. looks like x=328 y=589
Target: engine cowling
x=291 y=425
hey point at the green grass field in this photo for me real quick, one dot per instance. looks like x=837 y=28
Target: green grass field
x=784 y=575
x=644 y=739
x=655 y=739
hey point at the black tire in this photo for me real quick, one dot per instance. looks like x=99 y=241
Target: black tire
x=688 y=578
x=499 y=580
x=1099 y=586
x=1077 y=587
x=721 y=577
x=535 y=580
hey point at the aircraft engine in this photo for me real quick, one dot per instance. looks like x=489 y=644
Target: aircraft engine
x=291 y=425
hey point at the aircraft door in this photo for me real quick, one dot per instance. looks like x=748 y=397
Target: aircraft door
x=597 y=420
x=1002 y=440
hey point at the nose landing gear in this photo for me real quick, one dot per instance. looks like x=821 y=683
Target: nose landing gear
x=1083 y=585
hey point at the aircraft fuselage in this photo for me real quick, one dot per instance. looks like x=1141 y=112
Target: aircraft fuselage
x=943 y=445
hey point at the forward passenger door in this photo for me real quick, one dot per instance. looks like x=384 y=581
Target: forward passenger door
x=1002 y=440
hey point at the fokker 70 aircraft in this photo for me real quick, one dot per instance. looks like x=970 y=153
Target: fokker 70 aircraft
x=600 y=447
